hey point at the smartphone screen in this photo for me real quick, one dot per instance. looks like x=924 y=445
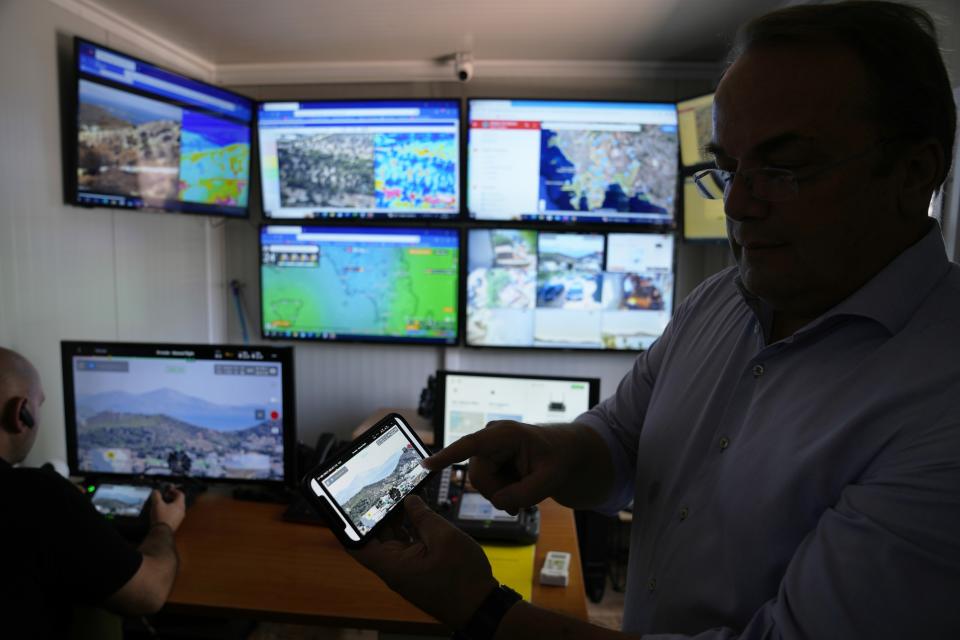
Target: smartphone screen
x=120 y=499
x=370 y=478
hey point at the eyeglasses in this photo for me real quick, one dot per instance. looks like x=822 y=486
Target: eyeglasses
x=764 y=183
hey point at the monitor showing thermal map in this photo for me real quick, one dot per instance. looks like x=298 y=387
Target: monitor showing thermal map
x=148 y=138
x=585 y=290
x=381 y=284
x=377 y=159
x=203 y=411
x=599 y=162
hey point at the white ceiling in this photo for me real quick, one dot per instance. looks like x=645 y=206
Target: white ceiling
x=226 y=33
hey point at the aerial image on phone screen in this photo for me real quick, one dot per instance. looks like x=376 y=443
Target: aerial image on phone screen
x=372 y=477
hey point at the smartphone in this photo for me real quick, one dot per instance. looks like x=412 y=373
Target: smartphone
x=121 y=500
x=365 y=481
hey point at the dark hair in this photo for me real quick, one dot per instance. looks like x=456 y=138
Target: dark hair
x=897 y=44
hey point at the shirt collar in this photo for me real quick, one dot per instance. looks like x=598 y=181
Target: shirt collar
x=890 y=297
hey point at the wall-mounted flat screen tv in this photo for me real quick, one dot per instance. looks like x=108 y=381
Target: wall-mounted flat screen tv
x=375 y=159
x=530 y=288
x=567 y=161
x=360 y=284
x=149 y=138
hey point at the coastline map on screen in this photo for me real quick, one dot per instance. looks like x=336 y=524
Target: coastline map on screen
x=565 y=161
x=396 y=284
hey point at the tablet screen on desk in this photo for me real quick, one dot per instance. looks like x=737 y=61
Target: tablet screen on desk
x=120 y=500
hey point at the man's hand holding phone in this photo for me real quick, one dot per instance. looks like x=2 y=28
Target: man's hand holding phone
x=431 y=563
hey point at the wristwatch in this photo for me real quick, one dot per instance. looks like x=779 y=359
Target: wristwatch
x=485 y=621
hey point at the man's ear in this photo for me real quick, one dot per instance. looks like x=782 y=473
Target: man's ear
x=12 y=417
x=26 y=418
x=923 y=165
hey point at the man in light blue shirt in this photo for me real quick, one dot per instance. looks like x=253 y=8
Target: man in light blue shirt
x=791 y=444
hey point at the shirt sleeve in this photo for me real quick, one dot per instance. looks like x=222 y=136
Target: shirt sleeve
x=619 y=418
x=86 y=558
x=884 y=562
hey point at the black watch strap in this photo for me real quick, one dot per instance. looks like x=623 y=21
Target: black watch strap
x=485 y=621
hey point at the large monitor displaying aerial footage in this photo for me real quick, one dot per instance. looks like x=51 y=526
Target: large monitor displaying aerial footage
x=374 y=159
x=213 y=412
x=368 y=284
x=566 y=161
x=567 y=290
x=149 y=138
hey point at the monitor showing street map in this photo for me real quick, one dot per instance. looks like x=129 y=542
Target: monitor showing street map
x=566 y=161
x=369 y=283
x=149 y=138
x=378 y=159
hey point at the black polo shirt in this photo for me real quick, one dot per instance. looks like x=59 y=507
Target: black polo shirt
x=56 y=551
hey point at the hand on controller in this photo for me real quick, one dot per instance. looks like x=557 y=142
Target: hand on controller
x=168 y=508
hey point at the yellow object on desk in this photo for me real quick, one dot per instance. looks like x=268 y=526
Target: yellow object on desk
x=513 y=566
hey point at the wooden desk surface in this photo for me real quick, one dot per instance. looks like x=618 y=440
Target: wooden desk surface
x=239 y=559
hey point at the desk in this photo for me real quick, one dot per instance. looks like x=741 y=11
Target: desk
x=239 y=559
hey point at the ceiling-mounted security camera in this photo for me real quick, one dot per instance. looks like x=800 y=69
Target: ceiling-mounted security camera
x=463 y=66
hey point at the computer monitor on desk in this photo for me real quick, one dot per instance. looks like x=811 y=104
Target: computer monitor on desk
x=174 y=411
x=467 y=401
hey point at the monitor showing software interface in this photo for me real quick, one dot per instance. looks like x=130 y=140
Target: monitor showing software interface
x=606 y=162
x=377 y=159
x=181 y=411
x=471 y=401
x=152 y=138
x=378 y=284
x=528 y=288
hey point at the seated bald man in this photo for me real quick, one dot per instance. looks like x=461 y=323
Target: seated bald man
x=57 y=551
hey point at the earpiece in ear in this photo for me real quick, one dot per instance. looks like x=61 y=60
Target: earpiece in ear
x=26 y=417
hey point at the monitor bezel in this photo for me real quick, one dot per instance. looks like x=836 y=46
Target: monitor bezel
x=71 y=348
x=469 y=216
x=375 y=219
x=440 y=397
x=72 y=195
x=457 y=230
x=605 y=231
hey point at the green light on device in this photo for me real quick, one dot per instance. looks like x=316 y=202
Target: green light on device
x=91 y=488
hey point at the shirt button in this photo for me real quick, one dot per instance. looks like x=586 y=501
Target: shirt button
x=724 y=443
x=652 y=584
x=758 y=370
x=684 y=512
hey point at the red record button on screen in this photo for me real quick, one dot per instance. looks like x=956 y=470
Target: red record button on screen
x=274 y=415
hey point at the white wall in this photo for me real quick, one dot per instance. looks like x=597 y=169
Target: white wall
x=72 y=273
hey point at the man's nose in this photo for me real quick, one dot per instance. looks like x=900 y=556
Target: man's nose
x=739 y=202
